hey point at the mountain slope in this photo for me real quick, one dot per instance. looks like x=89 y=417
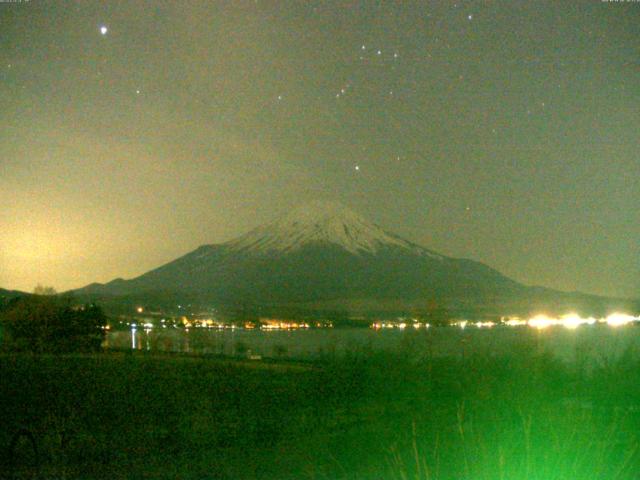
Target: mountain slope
x=7 y=295
x=321 y=253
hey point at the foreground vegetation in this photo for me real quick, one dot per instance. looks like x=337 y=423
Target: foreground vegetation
x=366 y=416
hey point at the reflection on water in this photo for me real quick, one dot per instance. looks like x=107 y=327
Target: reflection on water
x=597 y=342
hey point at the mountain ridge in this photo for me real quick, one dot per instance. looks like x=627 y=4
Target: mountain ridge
x=325 y=253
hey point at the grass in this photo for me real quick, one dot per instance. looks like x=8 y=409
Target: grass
x=367 y=415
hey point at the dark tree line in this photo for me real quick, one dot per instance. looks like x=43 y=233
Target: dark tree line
x=46 y=323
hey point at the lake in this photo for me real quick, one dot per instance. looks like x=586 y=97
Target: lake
x=591 y=342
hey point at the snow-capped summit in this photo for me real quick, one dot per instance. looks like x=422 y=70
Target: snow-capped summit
x=325 y=256
x=319 y=222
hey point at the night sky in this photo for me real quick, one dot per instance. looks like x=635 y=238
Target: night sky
x=506 y=132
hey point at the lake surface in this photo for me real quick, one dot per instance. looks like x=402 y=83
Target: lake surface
x=593 y=343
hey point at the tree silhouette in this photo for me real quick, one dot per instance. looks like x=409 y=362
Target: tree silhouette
x=44 y=290
x=40 y=323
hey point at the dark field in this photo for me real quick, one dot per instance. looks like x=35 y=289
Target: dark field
x=364 y=416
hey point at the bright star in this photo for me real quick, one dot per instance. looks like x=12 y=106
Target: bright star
x=470 y=17
x=103 y=30
x=357 y=168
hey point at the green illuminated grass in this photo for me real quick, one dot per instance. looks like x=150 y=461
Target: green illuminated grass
x=366 y=416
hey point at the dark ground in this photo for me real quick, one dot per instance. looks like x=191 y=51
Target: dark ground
x=366 y=416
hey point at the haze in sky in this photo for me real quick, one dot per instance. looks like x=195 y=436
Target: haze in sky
x=505 y=132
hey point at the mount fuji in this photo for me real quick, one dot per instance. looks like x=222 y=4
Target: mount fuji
x=324 y=256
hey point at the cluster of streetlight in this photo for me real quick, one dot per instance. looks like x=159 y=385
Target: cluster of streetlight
x=570 y=321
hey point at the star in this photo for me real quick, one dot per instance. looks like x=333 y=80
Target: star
x=357 y=168
x=279 y=97
x=138 y=92
x=379 y=52
x=103 y=30
x=470 y=17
